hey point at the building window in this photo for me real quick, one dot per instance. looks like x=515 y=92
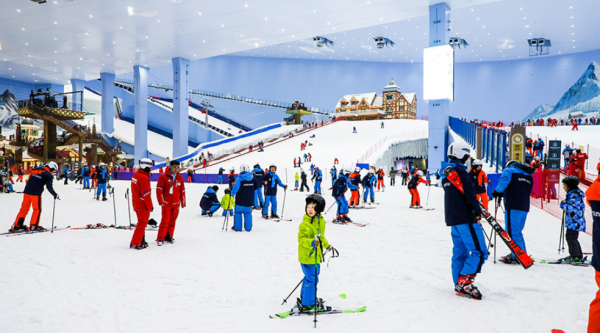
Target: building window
x=389 y=97
x=401 y=107
x=354 y=102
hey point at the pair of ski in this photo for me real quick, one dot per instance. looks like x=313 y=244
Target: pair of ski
x=296 y=312
x=522 y=257
x=423 y=208
x=20 y=233
x=280 y=219
x=362 y=207
x=351 y=223
x=583 y=263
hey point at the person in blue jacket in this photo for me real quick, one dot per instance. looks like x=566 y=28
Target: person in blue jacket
x=540 y=148
x=259 y=174
x=312 y=169
x=515 y=185
x=574 y=210
x=221 y=170
x=244 y=191
x=66 y=174
x=85 y=173
x=209 y=203
x=271 y=181
x=102 y=177
x=339 y=193
x=333 y=175
x=462 y=213
x=567 y=153
x=368 y=181
x=317 y=178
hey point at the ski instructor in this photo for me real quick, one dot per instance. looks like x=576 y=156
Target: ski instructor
x=170 y=192
x=462 y=212
x=141 y=196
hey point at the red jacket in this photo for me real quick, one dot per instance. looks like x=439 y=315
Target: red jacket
x=141 y=191
x=169 y=191
x=580 y=160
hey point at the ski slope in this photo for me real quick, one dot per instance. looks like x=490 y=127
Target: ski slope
x=216 y=281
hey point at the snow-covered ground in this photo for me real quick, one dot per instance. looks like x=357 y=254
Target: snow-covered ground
x=211 y=280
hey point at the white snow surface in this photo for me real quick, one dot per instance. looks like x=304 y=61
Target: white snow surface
x=211 y=280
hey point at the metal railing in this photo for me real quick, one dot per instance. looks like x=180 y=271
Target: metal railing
x=494 y=142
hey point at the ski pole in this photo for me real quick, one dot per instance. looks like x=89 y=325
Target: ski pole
x=283 y=206
x=562 y=228
x=288 y=296
x=428 y=189
x=53 y=210
x=329 y=207
x=316 y=273
x=112 y=192
x=128 y=207
x=225 y=224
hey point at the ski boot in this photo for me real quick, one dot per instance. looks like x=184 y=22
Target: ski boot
x=346 y=218
x=508 y=259
x=265 y=216
x=37 y=228
x=337 y=219
x=160 y=243
x=209 y=213
x=466 y=287
x=274 y=216
x=414 y=207
x=97 y=198
x=17 y=229
x=104 y=198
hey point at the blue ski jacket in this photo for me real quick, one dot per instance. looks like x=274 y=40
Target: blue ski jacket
x=272 y=180
x=459 y=208
x=259 y=174
x=339 y=187
x=244 y=189
x=516 y=183
x=574 y=207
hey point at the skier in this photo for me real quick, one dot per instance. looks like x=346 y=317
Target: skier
x=593 y=199
x=336 y=161
x=231 y=177
x=303 y=183
x=311 y=242
x=296 y=181
x=515 y=186
x=540 y=149
x=380 y=183
x=170 y=193
x=259 y=174
x=101 y=177
x=309 y=157
x=535 y=163
x=354 y=129
x=382 y=124
x=333 y=175
x=579 y=160
x=189 y=175
x=210 y=203
x=220 y=180
x=141 y=197
x=94 y=179
x=404 y=176
x=354 y=180
x=567 y=152
x=368 y=182
x=393 y=174
x=20 y=173
x=32 y=196
x=574 y=210
x=243 y=191
x=339 y=191
x=312 y=169
x=317 y=178
x=574 y=123
x=66 y=174
x=412 y=188
x=271 y=181
x=85 y=173
x=462 y=211
x=227 y=203
x=479 y=179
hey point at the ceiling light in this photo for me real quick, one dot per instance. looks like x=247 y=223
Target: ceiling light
x=18 y=10
x=266 y=18
x=91 y=15
x=22 y=28
x=199 y=13
x=246 y=5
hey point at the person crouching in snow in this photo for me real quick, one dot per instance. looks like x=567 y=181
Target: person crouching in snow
x=412 y=188
x=574 y=207
x=227 y=203
x=311 y=242
x=243 y=190
x=209 y=202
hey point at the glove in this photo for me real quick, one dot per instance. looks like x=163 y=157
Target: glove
x=315 y=243
x=497 y=194
x=285 y=188
x=56 y=197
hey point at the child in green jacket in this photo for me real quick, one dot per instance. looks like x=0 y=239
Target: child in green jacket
x=227 y=203
x=296 y=178
x=311 y=244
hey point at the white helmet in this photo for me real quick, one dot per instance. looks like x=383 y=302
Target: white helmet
x=52 y=166
x=537 y=158
x=356 y=169
x=420 y=173
x=244 y=168
x=478 y=162
x=459 y=149
x=102 y=164
x=272 y=165
x=144 y=163
x=371 y=171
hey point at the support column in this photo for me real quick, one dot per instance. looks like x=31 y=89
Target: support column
x=180 y=106
x=108 y=105
x=140 y=86
x=438 y=109
x=80 y=151
x=77 y=102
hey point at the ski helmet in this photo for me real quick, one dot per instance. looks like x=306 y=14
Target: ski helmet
x=478 y=162
x=244 y=168
x=256 y=166
x=52 y=166
x=272 y=165
x=357 y=169
x=537 y=158
x=319 y=200
x=227 y=190
x=572 y=182
x=459 y=150
x=420 y=173
x=102 y=164
x=316 y=167
x=371 y=171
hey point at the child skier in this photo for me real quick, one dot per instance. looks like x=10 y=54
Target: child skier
x=227 y=203
x=317 y=177
x=368 y=182
x=244 y=190
x=412 y=188
x=209 y=202
x=380 y=183
x=296 y=181
x=339 y=190
x=311 y=242
x=354 y=180
x=574 y=207
x=271 y=181
x=462 y=211
x=479 y=179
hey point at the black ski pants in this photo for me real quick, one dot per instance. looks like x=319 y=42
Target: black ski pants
x=574 y=247
x=302 y=186
x=392 y=181
x=404 y=182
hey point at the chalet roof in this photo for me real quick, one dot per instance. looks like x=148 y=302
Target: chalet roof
x=369 y=97
x=391 y=87
x=409 y=96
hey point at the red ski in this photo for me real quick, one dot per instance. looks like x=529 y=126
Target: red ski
x=523 y=258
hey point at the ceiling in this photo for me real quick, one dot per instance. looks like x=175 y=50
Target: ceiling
x=65 y=39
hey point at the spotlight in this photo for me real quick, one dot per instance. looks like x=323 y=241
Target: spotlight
x=539 y=46
x=458 y=42
x=39 y=1
x=322 y=41
x=382 y=42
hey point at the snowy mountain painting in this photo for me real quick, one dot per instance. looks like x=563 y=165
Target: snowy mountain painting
x=8 y=109
x=583 y=96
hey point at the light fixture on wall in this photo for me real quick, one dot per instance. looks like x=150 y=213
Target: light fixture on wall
x=382 y=42
x=39 y=1
x=458 y=42
x=539 y=46
x=322 y=41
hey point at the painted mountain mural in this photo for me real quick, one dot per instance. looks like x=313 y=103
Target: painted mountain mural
x=8 y=109
x=583 y=96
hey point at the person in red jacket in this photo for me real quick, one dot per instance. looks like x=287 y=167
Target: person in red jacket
x=170 y=193
x=579 y=160
x=574 y=123
x=415 y=201
x=141 y=196
x=380 y=175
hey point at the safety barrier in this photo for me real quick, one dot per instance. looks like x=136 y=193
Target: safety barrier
x=381 y=142
x=494 y=142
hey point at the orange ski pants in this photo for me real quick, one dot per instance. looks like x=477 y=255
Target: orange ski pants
x=416 y=198
x=483 y=198
x=380 y=184
x=594 y=321
x=354 y=199
x=170 y=212
x=35 y=201
x=140 y=228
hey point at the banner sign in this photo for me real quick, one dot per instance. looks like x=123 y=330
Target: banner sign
x=554 y=154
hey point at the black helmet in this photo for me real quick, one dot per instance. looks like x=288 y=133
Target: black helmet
x=578 y=150
x=572 y=182
x=227 y=190
x=215 y=188
x=319 y=200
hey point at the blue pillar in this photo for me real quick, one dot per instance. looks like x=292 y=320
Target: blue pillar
x=77 y=85
x=438 y=109
x=180 y=106
x=108 y=105
x=140 y=88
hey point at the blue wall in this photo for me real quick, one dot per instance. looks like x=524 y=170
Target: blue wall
x=21 y=89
